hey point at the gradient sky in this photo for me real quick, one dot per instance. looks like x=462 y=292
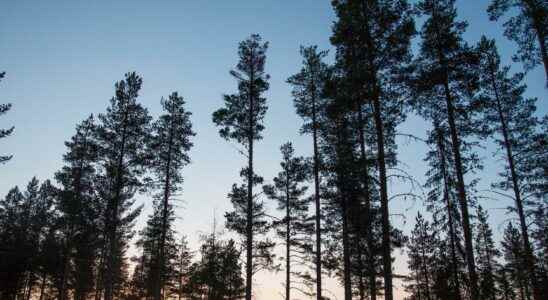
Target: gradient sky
x=63 y=57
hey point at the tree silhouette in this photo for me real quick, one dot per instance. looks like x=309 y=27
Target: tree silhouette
x=375 y=37
x=79 y=208
x=527 y=28
x=241 y=120
x=512 y=116
x=309 y=101
x=170 y=145
x=295 y=228
x=446 y=80
x=122 y=134
x=5 y=132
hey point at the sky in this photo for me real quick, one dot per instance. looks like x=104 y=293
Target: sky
x=62 y=59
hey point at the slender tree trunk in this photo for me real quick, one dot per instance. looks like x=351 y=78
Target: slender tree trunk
x=341 y=183
x=449 y=207
x=113 y=223
x=455 y=142
x=287 y=243
x=346 y=250
x=461 y=188
x=30 y=284
x=367 y=213
x=167 y=186
x=249 y=225
x=385 y=217
x=317 y=200
x=529 y=259
x=42 y=286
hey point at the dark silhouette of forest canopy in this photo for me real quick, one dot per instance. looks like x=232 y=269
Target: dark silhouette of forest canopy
x=68 y=237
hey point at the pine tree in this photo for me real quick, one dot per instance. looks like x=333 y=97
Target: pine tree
x=446 y=81
x=5 y=132
x=241 y=120
x=487 y=254
x=376 y=36
x=77 y=203
x=340 y=187
x=513 y=253
x=511 y=116
x=122 y=135
x=295 y=228
x=309 y=102
x=527 y=28
x=170 y=145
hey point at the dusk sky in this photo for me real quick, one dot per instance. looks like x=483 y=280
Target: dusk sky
x=62 y=59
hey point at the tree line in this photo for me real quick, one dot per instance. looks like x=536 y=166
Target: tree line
x=68 y=237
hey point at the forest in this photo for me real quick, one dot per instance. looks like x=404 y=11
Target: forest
x=68 y=237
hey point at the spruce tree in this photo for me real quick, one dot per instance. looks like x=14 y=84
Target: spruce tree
x=511 y=117
x=122 y=134
x=309 y=101
x=5 y=132
x=446 y=81
x=376 y=36
x=78 y=207
x=170 y=145
x=295 y=227
x=529 y=29
x=241 y=120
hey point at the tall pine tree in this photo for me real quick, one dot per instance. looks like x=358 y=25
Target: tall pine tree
x=122 y=135
x=309 y=101
x=295 y=227
x=446 y=80
x=170 y=145
x=375 y=36
x=241 y=120
x=511 y=117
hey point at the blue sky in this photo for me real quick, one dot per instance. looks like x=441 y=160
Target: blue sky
x=63 y=57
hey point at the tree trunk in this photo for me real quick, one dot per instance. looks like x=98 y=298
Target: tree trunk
x=318 y=260
x=249 y=220
x=455 y=142
x=160 y=264
x=113 y=222
x=529 y=257
x=367 y=213
x=346 y=251
x=42 y=286
x=449 y=207
x=385 y=217
x=287 y=244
